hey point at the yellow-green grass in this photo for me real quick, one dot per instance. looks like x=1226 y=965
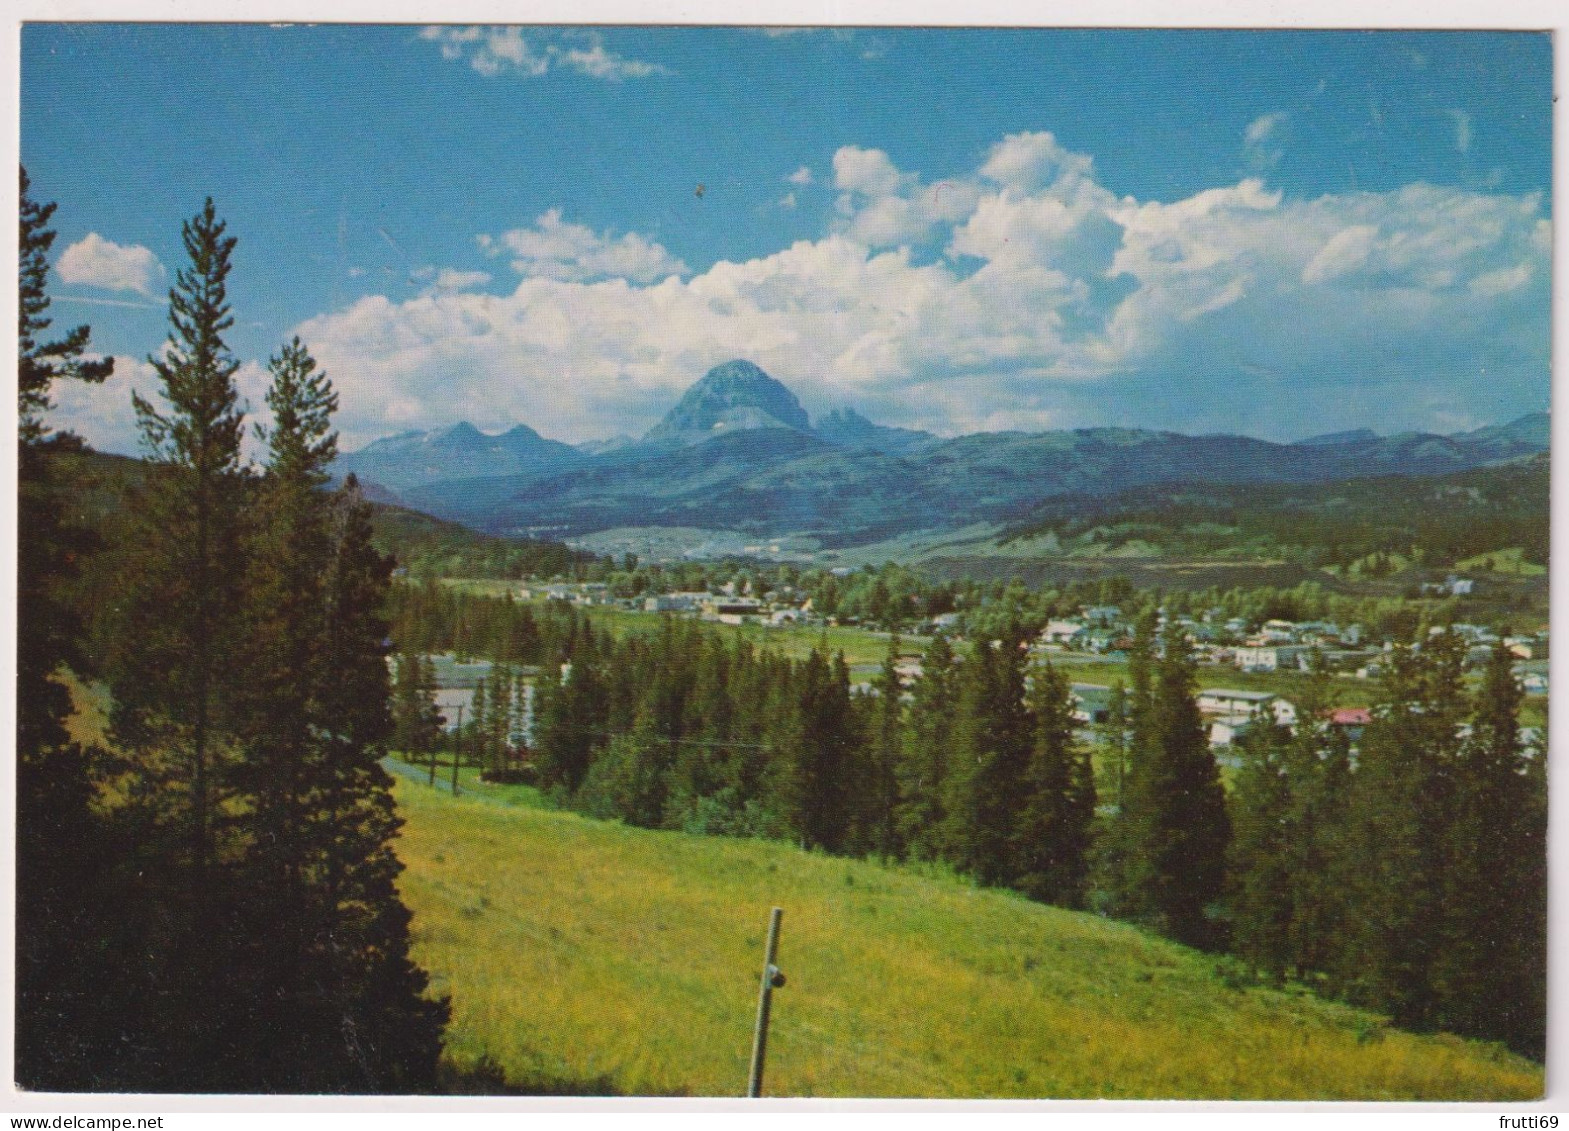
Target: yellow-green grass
x=578 y=950
x=1511 y=561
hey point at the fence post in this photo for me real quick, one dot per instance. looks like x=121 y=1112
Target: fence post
x=772 y=979
x=457 y=748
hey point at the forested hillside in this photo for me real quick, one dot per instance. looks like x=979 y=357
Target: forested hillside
x=1434 y=520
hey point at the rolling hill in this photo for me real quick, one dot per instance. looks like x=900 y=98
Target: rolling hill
x=584 y=956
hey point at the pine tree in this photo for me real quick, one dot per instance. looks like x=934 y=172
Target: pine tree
x=277 y=709
x=1399 y=809
x=181 y=642
x=923 y=771
x=58 y=837
x=174 y=677
x=1491 y=972
x=1176 y=813
x=886 y=735
x=380 y=1032
x=821 y=805
x=1051 y=833
x=1119 y=846
x=991 y=751
x=1261 y=872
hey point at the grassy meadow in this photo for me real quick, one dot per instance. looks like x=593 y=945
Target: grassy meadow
x=591 y=957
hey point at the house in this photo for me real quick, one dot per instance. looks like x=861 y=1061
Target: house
x=1224 y=730
x=1226 y=701
x=1270 y=657
x=1352 y=720
x=1527 y=647
x=1061 y=631
x=1091 y=703
x=1102 y=615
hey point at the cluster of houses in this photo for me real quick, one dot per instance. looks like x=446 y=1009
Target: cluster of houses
x=1227 y=712
x=785 y=605
x=1276 y=645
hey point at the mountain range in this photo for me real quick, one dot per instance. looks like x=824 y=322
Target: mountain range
x=738 y=453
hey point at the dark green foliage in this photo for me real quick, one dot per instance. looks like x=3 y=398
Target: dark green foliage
x=923 y=771
x=416 y=720
x=885 y=730
x=1262 y=851
x=252 y=939
x=991 y=752
x=58 y=835
x=1444 y=518
x=1490 y=970
x=40 y=363
x=1400 y=804
x=1174 y=822
x=175 y=676
x=380 y=1032
x=1051 y=835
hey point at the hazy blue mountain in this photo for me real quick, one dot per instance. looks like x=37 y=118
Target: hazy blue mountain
x=1355 y=436
x=602 y=447
x=848 y=428
x=737 y=452
x=462 y=451
x=734 y=397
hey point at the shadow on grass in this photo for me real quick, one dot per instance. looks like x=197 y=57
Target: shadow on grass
x=486 y=1077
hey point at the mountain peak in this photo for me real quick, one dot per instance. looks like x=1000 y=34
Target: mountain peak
x=734 y=396
x=460 y=433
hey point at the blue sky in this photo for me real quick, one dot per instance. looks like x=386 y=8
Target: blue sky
x=1275 y=233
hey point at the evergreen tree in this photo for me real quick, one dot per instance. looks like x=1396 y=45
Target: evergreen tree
x=380 y=1033
x=177 y=669
x=1130 y=737
x=276 y=710
x=500 y=728
x=991 y=751
x=1318 y=773
x=1051 y=833
x=1262 y=911
x=58 y=838
x=886 y=735
x=1176 y=813
x=1399 y=809
x=923 y=771
x=820 y=799
x=174 y=678
x=416 y=719
x=1491 y=972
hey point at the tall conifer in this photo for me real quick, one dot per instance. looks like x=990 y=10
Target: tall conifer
x=59 y=841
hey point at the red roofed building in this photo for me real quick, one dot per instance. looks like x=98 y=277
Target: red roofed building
x=1352 y=720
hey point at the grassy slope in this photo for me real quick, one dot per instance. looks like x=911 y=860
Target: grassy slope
x=581 y=950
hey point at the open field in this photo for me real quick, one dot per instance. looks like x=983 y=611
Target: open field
x=586 y=954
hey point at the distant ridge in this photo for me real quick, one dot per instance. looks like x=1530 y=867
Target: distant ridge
x=462 y=451
x=737 y=452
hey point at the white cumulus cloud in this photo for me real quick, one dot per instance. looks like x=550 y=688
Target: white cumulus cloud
x=559 y=249
x=495 y=50
x=96 y=262
x=1023 y=293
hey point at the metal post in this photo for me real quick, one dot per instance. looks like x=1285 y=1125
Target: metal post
x=772 y=979
x=457 y=747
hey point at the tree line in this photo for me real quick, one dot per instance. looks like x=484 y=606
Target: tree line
x=206 y=901
x=1405 y=873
